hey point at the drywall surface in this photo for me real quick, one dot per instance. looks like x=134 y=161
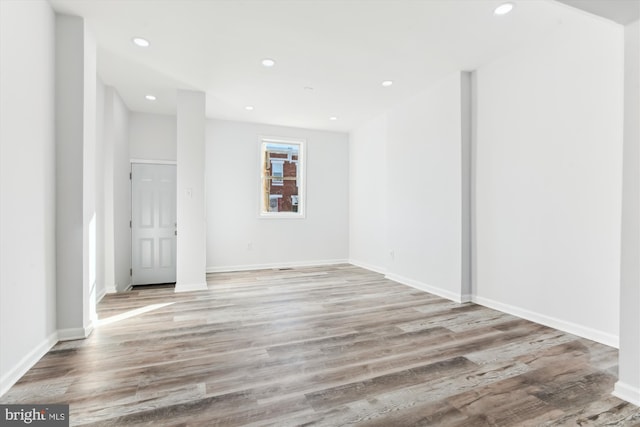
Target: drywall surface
x=368 y=195
x=152 y=137
x=548 y=178
x=27 y=186
x=410 y=190
x=424 y=201
x=100 y=174
x=237 y=238
x=628 y=386
x=190 y=181
x=116 y=249
x=75 y=175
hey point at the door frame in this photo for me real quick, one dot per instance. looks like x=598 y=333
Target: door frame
x=131 y=163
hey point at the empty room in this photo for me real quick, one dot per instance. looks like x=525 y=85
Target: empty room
x=320 y=212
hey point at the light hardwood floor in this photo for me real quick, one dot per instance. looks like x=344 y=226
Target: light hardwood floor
x=325 y=346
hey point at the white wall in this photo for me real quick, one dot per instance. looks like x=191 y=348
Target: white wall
x=100 y=165
x=628 y=386
x=368 y=206
x=90 y=188
x=548 y=179
x=75 y=176
x=118 y=142
x=152 y=137
x=236 y=237
x=69 y=162
x=27 y=187
x=191 y=244
x=424 y=155
x=112 y=199
x=406 y=173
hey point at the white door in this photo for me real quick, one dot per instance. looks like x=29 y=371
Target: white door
x=153 y=224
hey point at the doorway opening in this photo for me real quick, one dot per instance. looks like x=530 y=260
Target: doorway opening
x=153 y=223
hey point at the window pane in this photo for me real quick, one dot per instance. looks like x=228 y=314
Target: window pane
x=281 y=177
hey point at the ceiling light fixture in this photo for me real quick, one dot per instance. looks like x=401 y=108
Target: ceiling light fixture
x=333 y=118
x=387 y=83
x=268 y=62
x=249 y=108
x=139 y=41
x=150 y=97
x=503 y=9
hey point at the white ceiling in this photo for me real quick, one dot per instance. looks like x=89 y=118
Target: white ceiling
x=620 y=11
x=343 y=49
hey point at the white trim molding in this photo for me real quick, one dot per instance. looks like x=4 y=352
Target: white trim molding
x=190 y=287
x=563 y=325
x=459 y=298
x=27 y=362
x=100 y=295
x=301 y=177
x=249 y=267
x=72 y=334
x=369 y=267
x=626 y=392
x=154 y=162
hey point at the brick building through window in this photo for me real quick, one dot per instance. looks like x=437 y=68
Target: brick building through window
x=281 y=170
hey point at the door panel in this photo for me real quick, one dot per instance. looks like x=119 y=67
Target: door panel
x=146 y=253
x=166 y=252
x=153 y=223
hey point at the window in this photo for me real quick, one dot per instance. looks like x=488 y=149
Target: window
x=282 y=178
x=277 y=171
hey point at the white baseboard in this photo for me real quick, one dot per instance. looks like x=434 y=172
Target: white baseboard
x=111 y=289
x=563 y=325
x=189 y=287
x=10 y=378
x=248 y=267
x=430 y=289
x=369 y=267
x=115 y=288
x=100 y=295
x=627 y=392
x=71 y=334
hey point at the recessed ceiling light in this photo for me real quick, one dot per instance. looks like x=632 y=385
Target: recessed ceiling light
x=139 y=41
x=268 y=62
x=249 y=107
x=333 y=118
x=150 y=97
x=387 y=83
x=503 y=9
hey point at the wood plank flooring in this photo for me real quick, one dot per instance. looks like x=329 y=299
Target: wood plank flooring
x=325 y=346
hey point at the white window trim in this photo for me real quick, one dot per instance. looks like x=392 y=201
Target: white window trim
x=153 y=162
x=301 y=178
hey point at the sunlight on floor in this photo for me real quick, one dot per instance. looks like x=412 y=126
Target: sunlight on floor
x=130 y=314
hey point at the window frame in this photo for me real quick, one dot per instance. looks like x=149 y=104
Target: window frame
x=300 y=181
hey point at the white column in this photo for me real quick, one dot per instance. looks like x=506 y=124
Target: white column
x=192 y=230
x=628 y=385
x=466 y=139
x=76 y=248
x=108 y=191
x=121 y=194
